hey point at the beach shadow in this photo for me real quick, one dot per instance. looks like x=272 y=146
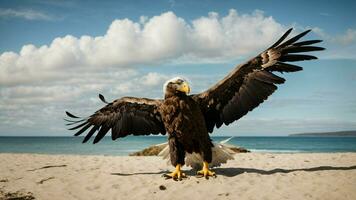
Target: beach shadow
x=139 y=173
x=187 y=172
x=237 y=171
x=230 y=172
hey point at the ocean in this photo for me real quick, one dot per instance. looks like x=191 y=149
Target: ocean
x=125 y=146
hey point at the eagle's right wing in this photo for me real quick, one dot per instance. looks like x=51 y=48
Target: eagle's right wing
x=124 y=116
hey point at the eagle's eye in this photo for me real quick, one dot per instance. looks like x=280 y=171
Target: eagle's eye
x=179 y=81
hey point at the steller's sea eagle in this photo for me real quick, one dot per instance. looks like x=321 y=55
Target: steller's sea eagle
x=188 y=119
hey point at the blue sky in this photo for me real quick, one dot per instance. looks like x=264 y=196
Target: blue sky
x=58 y=55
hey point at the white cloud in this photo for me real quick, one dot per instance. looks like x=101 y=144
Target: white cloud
x=27 y=14
x=163 y=38
x=153 y=79
x=148 y=84
x=143 y=19
x=348 y=38
x=338 y=46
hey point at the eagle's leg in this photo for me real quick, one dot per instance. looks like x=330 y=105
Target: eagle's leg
x=177 y=155
x=177 y=174
x=205 y=171
x=208 y=157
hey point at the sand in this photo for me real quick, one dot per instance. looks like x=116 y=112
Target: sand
x=250 y=176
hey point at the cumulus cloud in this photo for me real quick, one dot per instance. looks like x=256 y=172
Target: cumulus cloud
x=27 y=14
x=348 y=37
x=159 y=39
x=148 y=84
x=342 y=45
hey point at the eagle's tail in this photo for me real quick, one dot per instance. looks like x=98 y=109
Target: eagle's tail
x=221 y=154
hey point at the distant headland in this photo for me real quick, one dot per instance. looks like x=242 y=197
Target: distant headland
x=327 y=134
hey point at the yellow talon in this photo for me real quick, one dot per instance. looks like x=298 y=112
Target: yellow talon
x=205 y=171
x=177 y=174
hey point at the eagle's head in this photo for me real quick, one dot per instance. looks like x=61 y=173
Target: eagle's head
x=176 y=86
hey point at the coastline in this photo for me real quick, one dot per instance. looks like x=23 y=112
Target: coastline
x=128 y=145
x=249 y=176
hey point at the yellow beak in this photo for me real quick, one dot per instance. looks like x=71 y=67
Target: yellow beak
x=184 y=88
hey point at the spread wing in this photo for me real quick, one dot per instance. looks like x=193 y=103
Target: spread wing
x=251 y=83
x=125 y=116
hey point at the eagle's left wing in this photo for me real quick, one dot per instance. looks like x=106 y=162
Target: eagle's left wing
x=251 y=83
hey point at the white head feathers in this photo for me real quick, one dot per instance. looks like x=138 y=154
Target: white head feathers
x=175 y=79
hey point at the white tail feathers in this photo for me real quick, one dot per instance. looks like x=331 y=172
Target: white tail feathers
x=221 y=154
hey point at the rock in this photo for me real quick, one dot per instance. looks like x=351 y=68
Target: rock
x=162 y=187
x=150 y=151
x=239 y=150
x=156 y=149
x=16 y=195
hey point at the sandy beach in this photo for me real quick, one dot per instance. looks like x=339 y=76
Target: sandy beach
x=250 y=176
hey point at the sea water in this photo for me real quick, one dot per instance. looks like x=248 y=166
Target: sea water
x=127 y=145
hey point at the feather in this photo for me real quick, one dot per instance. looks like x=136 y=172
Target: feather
x=78 y=126
x=102 y=98
x=67 y=120
x=297 y=49
x=82 y=130
x=281 y=39
x=268 y=77
x=284 y=67
x=294 y=39
x=91 y=132
x=74 y=122
x=103 y=130
x=307 y=42
x=71 y=115
x=266 y=88
x=296 y=57
x=115 y=130
x=253 y=94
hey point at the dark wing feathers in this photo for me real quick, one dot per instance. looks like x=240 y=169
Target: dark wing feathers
x=307 y=42
x=296 y=57
x=103 y=130
x=90 y=133
x=284 y=67
x=284 y=36
x=102 y=98
x=78 y=126
x=125 y=116
x=82 y=129
x=298 y=49
x=294 y=39
x=71 y=115
x=249 y=84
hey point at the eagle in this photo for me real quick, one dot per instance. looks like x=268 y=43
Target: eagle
x=187 y=118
